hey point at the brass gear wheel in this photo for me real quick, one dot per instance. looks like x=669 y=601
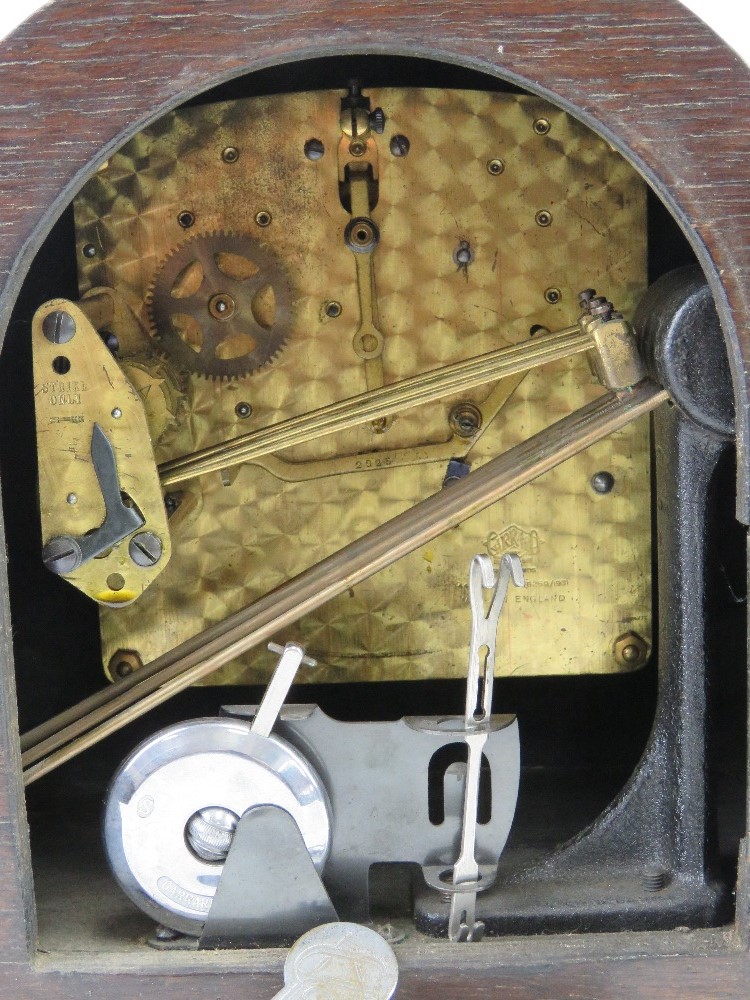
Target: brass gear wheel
x=220 y=305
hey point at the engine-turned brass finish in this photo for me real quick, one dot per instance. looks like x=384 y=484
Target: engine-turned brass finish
x=462 y=266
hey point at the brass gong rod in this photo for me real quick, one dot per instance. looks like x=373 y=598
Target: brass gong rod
x=81 y=727
x=377 y=403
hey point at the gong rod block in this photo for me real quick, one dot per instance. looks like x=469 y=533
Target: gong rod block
x=82 y=726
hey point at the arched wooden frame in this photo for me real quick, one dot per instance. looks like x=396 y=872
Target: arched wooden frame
x=80 y=78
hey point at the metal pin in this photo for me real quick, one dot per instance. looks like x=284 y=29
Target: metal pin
x=292 y=655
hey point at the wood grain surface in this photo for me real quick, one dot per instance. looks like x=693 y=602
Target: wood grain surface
x=80 y=77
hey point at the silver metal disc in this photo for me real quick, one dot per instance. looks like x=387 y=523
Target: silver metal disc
x=200 y=765
x=341 y=961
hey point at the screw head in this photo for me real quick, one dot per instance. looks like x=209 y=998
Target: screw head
x=597 y=304
x=357 y=147
x=222 y=306
x=209 y=833
x=71 y=498
x=602 y=482
x=58 y=327
x=377 y=121
x=111 y=341
x=145 y=549
x=457 y=469
x=399 y=145
x=163 y=933
x=465 y=419
x=463 y=255
x=361 y=235
x=391 y=934
x=62 y=555
x=585 y=297
x=89 y=250
x=171 y=503
x=117 y=413
x=314 y=149
x=230 y=155
x=601 y=309
x=123 y=662
x=631 y=650
x=495 y=166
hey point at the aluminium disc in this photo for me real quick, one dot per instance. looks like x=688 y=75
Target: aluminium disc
x=183 y=777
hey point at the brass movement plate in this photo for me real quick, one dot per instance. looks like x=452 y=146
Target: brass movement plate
x=564 y=212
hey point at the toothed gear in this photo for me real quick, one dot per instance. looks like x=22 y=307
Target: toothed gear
x=216 y=323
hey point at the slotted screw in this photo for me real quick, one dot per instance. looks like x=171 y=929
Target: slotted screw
x=145 y=548
x=59 y=327
x=62 y=555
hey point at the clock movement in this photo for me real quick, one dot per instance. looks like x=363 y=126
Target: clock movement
x=374 y=483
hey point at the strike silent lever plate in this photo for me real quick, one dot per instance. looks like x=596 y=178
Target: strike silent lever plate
x=104 y=525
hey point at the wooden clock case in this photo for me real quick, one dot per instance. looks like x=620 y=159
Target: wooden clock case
x=77 y=80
